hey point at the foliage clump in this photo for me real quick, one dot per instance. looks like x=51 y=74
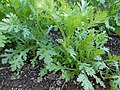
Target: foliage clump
x=26 y=26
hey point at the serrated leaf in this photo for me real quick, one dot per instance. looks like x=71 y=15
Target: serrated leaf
x=33 y=61
x=66 y=75
x=98 y=80
x=7 y=56
x=108 y=25
x=3 y=26
x=99 y=17
x=46 y=53
x=52 y=67
x=86 y=68
x=87 y=85
x=115 y=83
x=2 y=40
x=43 y=72
x=99 y=65
x=16 y=60
x=11 y=23
x=25 y=32
x=113 y=57
x=117 y=18
x=71 y=51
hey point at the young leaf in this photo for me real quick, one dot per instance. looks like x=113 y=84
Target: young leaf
x=2 y=40
x=66 y=75
x=98 y=80
x=85 y=68
x=115 y=83
x=87 y=85
x=14 y=58
x=46 y=53
x=43 y=72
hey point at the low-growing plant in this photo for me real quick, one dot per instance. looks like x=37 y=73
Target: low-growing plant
x=81 y=46
x=27 y=28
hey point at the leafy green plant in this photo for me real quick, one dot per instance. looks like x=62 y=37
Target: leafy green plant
x=28 y=24
x=80 y=45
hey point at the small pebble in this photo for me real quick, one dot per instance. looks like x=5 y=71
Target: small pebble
x=39 y=79
x=58 y=82
x=57 y=89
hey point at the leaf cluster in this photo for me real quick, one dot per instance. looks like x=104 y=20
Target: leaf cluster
x=26 y=33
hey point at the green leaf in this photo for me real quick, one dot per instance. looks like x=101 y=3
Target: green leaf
x=14 y=58
x=7 y=56
x=117 y=18
x=72 y=52
x=115 y=83
x=100 y=65
x=46 y=53
x=33 y=61
x=17 y=61
x=25 y=32
x=99 y=17
x=3 y=26
x=98 y=80
x=52 y=67
x=87 y=69
x=2 y=40
x=45 y=5
x=87 y=85
x=43 y=72
x=66 y=75
x=13 y=24
x=108 y=25
x=101 y=1
x=113 y=57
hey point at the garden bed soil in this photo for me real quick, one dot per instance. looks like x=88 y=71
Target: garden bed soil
x=29 y=79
